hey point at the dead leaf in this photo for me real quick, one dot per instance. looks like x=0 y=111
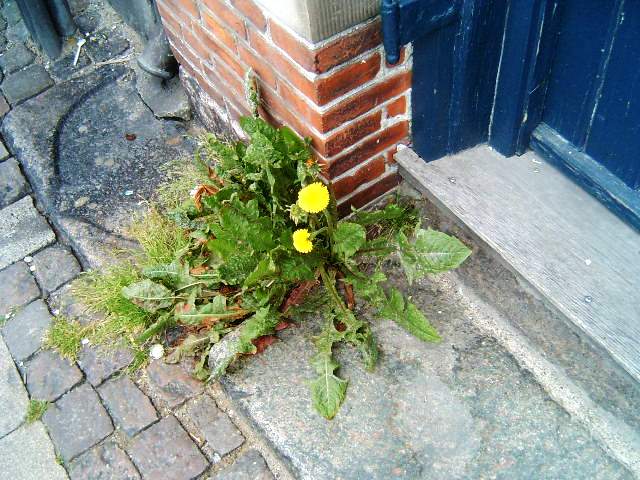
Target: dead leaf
x=263 y=342
x=203 y=190
x=298 y=295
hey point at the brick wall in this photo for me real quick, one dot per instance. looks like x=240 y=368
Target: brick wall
x=339 y=92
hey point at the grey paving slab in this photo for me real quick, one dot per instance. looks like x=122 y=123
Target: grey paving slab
x=28 y=454
x=462 y=408
x=130 y=409
x=54 y=266
x=103 y=462
x=23 y=333
x=212 y=425
x=149 y=452
x=64 y=303
x=17 y=286
x=13 y=396
x=15 y=58
x=248 y=466
x=23 y=231
x=77 y=421
x=26 y=83
x=171 y=383
x=100 y=362
x=13 y=185
x=4 y=108
x=48 y=375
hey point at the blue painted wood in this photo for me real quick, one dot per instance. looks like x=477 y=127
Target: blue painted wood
x=588 y=173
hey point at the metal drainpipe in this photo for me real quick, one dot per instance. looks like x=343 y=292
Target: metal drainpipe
x=47 y=21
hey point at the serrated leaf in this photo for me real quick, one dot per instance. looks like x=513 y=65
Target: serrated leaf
x=211 y=312
x=173 y=274
x=430 y=252
x=266 y=268
x=348 y=238
x=148 y=295
x=409 y=317
x=263 y=322
x=327 y=391
x=390 y=212
x=367 y=287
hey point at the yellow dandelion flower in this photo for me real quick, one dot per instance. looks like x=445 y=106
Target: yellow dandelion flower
x=313 y=198
x=302 y=241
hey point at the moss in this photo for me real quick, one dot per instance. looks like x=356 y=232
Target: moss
x=65 y=336
x=36 y=410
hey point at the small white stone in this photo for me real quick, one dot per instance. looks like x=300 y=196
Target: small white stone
x=32 y=268
x=84 y=341
x=55 y=312
x=156 y=351
x=402 y=147
x=193 y=191
x=128 y=193
x=588 y=261
x=28 y=259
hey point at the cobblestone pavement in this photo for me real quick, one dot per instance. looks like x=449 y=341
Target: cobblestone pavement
x=101 y=423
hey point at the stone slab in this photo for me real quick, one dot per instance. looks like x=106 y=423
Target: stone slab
x=27 y=454
x=101 y=362
x=95 y=180
x=77 y=421
x=11 y=12
x=129 y=408
x=62 y=302
x=48 y=375
x=462 y=408
x=212 y=425
x=106 y=44
x=104 y=462
x=149 y=452
x=248 y=466
x=26 y=83
x=17 y=286
x=23 y=333
x=13 y=396
x=13 y=185
x=54 y=266
x=171 y=383
x=4 y=108
x=24 y=231
x=16 y=57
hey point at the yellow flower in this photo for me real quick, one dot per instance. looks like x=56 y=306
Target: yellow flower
x=301 y=240
x=313 y=198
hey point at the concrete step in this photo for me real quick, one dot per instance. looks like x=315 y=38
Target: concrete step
x=563 y=269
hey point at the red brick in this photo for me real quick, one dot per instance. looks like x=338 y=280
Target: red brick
x=369 y=194
x=351 y=135
x=261 y=68
x=228 y=16
x=168 y=18
x=294 y=46
x=218 y=31
x=217 y=77
x=274 y=106
x=347 y=47
x=369 y=148
x=221 y=53
x=194 y=41
x=364 y=174
x=365 y=101
x=397 y=107
x=347 y=79
x=296 y=101
x=231 y=78
x=252 y=12
x=188 y=6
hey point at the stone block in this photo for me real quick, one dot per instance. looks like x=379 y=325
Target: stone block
x=48 y=375
x=103 y=462
x=13 y=186
x=26 y=83
x=23 y=332
x=172 y=384
x=13 y=397
x=77 y=421
x=54 y=266
x=4 y=153
x=129 y=408
x=17 y=286
x=15 y=58
x=249 y=466
x=100 y=362
x=62 y=302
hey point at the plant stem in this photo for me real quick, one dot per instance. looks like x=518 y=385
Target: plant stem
x=329 y=219
x=154 y=329
x=331 y=288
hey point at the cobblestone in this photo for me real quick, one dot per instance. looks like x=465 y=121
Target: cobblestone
x=17 y=287
x=64 y=303
x=13 y=396
x=249 y=466
x=77 y=421
x=15 y=58
x=100 y=362
x=103 y=462
x=13 y=186
x=213 y=425
x=130 y=409
x=54 y=266
x=166 y=452
x=48 y=375
x=23 y=333
x=172 y=384
x=4 y=153
x=26 y=83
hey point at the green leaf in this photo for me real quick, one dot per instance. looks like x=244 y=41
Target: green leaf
x=262 y=323
x=266 y=268
x=327 y=391
x=367 y=287
x=173 y=274
x=148 y=295
x=392 y=211
x=408 y=317
x=348 y=238
x=430 y=252
x=297 y=267
x=216 y=308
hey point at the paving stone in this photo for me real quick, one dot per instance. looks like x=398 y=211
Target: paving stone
x=129 y=408
x=249 y=466
x=27 y=454
x=15 y=58
x=54 y=266
x=213 y=425
x=166 y=452
x=100 y=362
x=4 y=106
x=13 y=186
x=107 y=44
x=23 y=333
x=13 y=396
x=17 y=286
x=4 y=153
x=11 y=12
x=77 y=421
x=172 y=384
x=62 y=302
x=26 y=83
x=63 y=68
x=24 y=231
x=48 y=375
x=78 y=6
x=17 y=33
x=87 y=22
x=103 y=462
